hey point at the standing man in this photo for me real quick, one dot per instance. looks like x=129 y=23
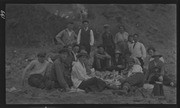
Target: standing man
x=138 y=50
x=86 y=37
x=108 y=41
x=67 y=36
x=121 y=40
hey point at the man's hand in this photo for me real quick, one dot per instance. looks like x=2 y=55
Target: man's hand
x=161 y=78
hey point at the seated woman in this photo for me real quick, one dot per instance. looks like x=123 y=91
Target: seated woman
x=133 y=76
x=80 y=78
x=101 y=59
x=156 y=68
x=35 y=72
x=118 y=63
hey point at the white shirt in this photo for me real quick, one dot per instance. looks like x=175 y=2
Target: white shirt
x=78 y=74
x=138 y=50
x=121 y=37
x=135 y=69
x=91 y=36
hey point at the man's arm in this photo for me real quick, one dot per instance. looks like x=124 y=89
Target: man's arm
x=92 y=38
x=28 y=68
x=78 y=37
x=115 y=38
x=143 y=50
x=58 y=37
x=60 y=74
x=107 y=55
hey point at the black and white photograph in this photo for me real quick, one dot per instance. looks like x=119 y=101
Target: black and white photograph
x=90 y=53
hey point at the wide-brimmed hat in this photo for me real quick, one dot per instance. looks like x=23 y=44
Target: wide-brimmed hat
x=106 y=25
x=157 y=54
x=64 y=50
x=117 y=52
x=82 y=53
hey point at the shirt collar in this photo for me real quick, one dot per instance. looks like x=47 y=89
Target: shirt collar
x=86 y=28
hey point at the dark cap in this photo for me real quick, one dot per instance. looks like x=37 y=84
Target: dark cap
x=41 y=54
x=100 y=46
x=82 y=53
x=85 y=21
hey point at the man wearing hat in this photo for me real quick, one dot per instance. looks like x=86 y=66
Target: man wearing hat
x=62 y=71
x=135 y=76
x=156 y=70
x=119 y=62
x=102 y=59
x=108 y=41
x=80 y=78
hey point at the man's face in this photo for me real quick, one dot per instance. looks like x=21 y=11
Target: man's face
x=117 y=55
x=151 y=52
x=106 y=29
x=121 y=29
x=136 y=38
x=76 y=49
x=101 y=50
x=70 y=26
x=86 y=24
x=82 y=59
x=130 y=64
x=69 y=48
x=63 y=55
x=131 y=39
x=41 y=59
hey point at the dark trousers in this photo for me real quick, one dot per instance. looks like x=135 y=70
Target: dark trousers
x=40 y=81
x=155 y=77
x=101 y=64
x=135 y=80
x=87 y=47
x=110 y=50
x=141 y=61
x=93 y=84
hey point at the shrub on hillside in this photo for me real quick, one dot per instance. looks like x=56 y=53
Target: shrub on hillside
x=31 y=25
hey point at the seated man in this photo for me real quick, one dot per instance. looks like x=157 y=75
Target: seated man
x=133 y=76
x=36 y=73
x=75 y=51
x=156 y=71
x=101 y=59
x=62 y=71
x=119 y=62
x=80 y=78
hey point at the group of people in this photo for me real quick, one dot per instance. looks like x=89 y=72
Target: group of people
x=69 y=65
